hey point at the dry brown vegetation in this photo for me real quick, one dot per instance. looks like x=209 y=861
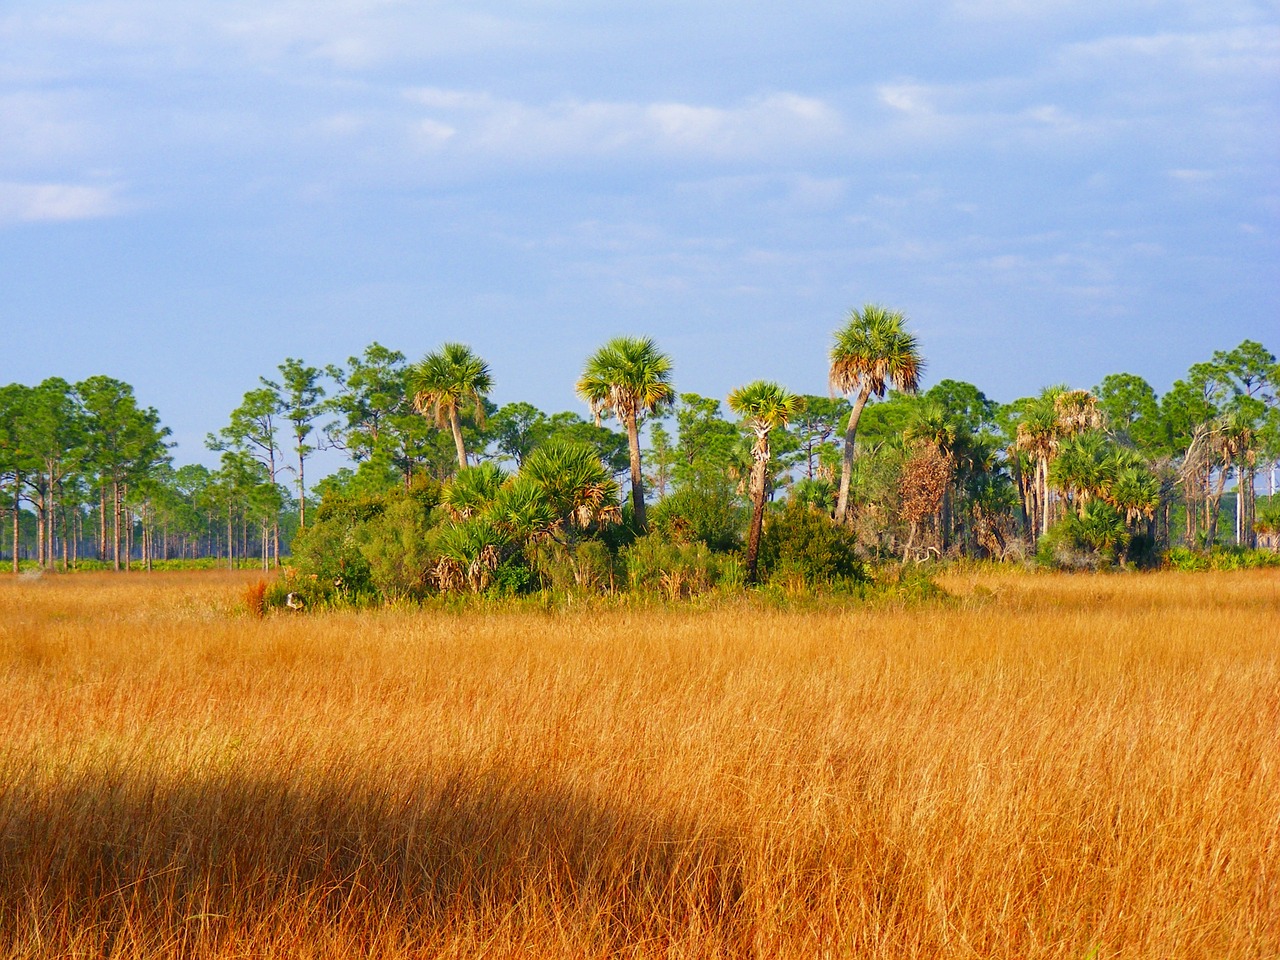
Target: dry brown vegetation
x=1044 y=766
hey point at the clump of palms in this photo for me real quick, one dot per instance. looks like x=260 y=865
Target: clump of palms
x=872 y=351
x=472 y=490
x=562 y=493
x=628 y=377
x=764 y=406
x=448 y=382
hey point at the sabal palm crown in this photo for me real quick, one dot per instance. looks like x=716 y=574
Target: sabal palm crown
x=764 y=407
x=449 y=381
x=574 y=483
x=628 y=377
x=872 y=351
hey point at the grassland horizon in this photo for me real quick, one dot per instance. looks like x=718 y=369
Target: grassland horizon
x=1038 y=766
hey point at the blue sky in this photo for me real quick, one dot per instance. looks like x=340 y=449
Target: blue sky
x=1051 y=191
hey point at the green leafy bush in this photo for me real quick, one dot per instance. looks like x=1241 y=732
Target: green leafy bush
x=1220 y=558
x=711 y=513
x=1098 y=539
x=394 y=545
x=653 y=564
x=803 y=543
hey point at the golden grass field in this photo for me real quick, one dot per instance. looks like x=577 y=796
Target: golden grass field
x=1041 y=766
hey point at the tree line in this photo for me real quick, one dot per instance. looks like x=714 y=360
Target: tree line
x=1111 y=474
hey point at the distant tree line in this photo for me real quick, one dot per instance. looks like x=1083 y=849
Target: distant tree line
x=488 y=495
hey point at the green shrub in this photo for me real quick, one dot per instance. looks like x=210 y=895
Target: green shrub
x=710 y=513
x=655 y=565
x=586 y=566
x=1096 y=540
x=361 y=548
x=1220 y=558
x=394 y=545
x=803 y=544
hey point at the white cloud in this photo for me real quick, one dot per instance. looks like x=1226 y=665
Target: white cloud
x=478 y=123
x=910 y=98
x=36 y=202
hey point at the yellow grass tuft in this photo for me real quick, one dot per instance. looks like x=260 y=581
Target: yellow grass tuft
x=1043 y=767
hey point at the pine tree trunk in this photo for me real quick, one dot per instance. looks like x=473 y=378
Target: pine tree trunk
x=17 y=514
x=302 y=489
x=115 y=523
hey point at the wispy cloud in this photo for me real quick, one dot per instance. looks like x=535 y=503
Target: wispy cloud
x=477 y=123
x=36 y=202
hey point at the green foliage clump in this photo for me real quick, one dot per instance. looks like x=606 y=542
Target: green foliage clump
x=654 y=564
x=395 y=548
x=709 y=512
x=583 y=567
x=1094 y=540
x=804 y=544
x=361 y=548
x=1220 y=558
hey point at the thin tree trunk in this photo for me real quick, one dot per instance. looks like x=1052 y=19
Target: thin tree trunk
x=637 y=478
x=846 y=463
x=457 y=438
x=757 y=518
x=115 y=523
x=65 y=538
x=17 y=512
x=38 y=502
x=302 y=488
x=1214 y=508
x=127 y=516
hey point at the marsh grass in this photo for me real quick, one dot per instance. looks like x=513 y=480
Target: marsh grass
x=1040 y=766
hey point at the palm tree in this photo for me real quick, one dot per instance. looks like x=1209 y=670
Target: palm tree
x=1037 y=437
x=764 y=406
x=1084 y=468
x=448 y=381
x=575 y=484
x=628 y=377
x=871 y=351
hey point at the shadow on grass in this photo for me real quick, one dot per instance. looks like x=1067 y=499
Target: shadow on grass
x=119 y=864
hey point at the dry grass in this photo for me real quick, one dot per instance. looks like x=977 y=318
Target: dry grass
x=1047 y=766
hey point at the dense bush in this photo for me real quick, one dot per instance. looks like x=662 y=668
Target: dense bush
x=1220 y=558
x=584 y=566
x=712 y=513
x=364 y=548
x=802 y=543
x=654 y=564
x=1096 y=540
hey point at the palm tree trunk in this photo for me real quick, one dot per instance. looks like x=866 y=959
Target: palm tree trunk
x=1043 y=469
x=757 y=518
x=637 y=478
x=846 y=464
x=457 y=438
